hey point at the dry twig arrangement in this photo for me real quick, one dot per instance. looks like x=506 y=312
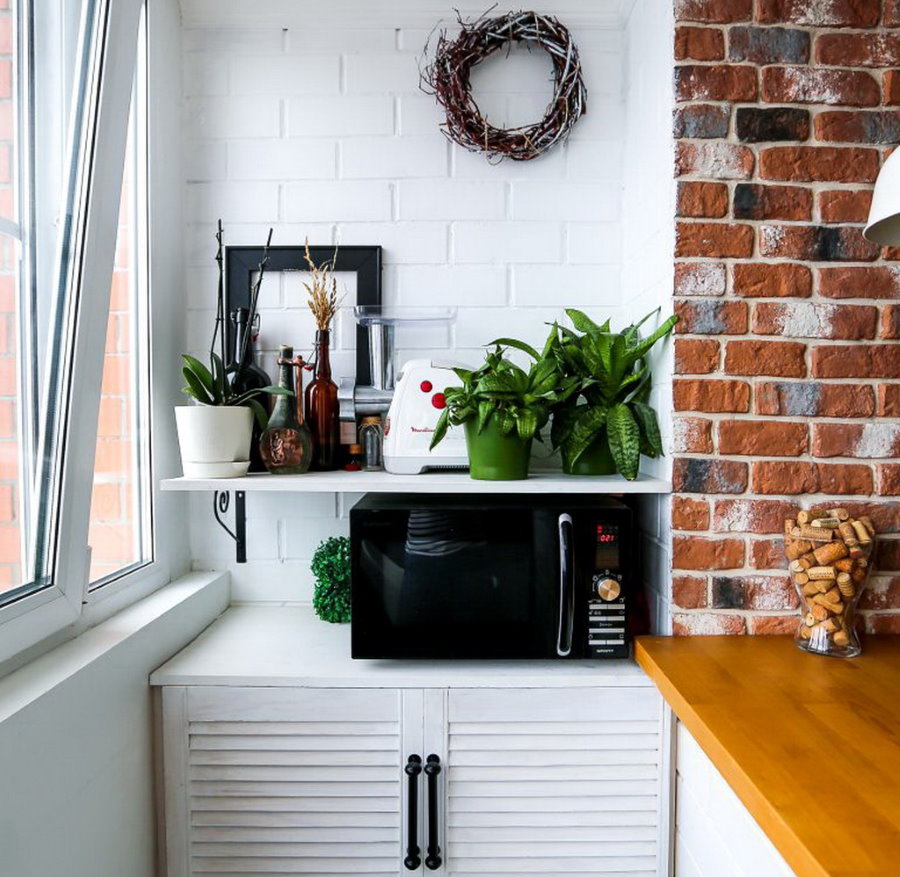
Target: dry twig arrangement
x=323 y=298
x=447 y=78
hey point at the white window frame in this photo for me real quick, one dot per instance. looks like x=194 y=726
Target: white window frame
x=36 y=617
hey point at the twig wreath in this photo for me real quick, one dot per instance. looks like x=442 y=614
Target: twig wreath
x=447 y=79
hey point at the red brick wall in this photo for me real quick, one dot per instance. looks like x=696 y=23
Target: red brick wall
x=787 y=363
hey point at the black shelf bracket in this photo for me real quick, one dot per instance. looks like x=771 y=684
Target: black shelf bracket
x=221 y=504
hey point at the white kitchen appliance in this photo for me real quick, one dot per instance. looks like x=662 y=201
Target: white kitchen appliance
x=417 y=404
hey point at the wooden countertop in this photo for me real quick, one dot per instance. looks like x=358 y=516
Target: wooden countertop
x=810 y=744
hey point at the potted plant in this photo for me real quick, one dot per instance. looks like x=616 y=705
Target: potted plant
x=502 y=408
x=214 y=436
x=605 y=425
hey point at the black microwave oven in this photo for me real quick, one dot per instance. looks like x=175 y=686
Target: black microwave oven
x=491 y=577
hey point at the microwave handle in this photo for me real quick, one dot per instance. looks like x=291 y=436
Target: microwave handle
x=566 y=586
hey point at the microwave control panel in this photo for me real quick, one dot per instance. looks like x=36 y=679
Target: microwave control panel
x=606 y=601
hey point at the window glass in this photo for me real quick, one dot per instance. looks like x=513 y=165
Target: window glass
x=120 y=537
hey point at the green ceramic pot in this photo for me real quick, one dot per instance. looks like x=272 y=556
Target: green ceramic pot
x=494 y=456
x=596 y=460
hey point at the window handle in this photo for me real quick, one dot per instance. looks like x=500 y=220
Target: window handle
x=413 y=854
x=433 y=854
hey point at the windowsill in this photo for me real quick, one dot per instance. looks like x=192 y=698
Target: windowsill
x=195 y=599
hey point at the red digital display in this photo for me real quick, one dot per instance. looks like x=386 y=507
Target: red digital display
x=607 y=535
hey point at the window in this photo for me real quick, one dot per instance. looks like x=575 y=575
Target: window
x=64 y=107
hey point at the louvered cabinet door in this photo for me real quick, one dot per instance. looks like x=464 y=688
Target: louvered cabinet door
x=264 y=781
x=553 y=782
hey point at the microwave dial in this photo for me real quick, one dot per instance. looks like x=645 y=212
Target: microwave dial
x=608 y=589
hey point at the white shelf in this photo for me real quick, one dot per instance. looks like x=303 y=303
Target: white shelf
x=430 y=482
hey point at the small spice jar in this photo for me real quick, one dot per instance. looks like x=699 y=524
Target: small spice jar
x=371 y=437
x=355 y=461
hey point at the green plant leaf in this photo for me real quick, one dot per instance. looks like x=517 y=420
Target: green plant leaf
x=485 y=410
x=631 y=333
x=197 y=388
x=464 y=374
x=624 y=440
x=581 y=321
x=646 y=418
x=526 y=424
x=440 y=429
x=219 y=381
x=636 y=352
x=260 y=413
x=588 y=425
x=198 y=368
x=518 y=345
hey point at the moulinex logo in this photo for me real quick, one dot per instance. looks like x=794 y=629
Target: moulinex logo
x=420 y=429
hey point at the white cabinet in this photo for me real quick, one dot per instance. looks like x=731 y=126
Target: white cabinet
x=306 y=780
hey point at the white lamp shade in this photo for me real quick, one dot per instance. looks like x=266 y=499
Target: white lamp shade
x=883 y=226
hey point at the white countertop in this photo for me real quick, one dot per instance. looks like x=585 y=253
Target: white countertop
x=289 y=646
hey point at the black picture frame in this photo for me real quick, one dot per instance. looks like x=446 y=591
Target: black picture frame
x=364 y=261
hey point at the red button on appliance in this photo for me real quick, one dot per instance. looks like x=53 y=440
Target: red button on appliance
x=426 y=386
x=438 y=400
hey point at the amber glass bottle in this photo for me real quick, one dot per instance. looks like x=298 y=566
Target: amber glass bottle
x=322 y=407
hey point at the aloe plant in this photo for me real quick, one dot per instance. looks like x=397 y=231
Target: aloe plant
x=613 y=385
x=519 y=401
x=211 y=386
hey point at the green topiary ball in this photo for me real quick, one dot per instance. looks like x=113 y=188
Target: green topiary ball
x=331 y=567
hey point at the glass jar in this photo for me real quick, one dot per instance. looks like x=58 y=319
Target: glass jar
x=371 y=437
x=829 y=554
x=355 y=460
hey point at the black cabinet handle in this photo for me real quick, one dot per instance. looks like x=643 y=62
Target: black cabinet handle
x=412 y=770
x=433 y=854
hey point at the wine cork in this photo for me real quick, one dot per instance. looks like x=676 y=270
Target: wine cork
x=861 y=532
x=795 y=548
x=817 y=573
x=846 y=587
x=789 y=524
x=829 y=553
x=804 y=633
x=848 y=534
x=819 y=612
x=861 y=562
x=841 y=638
x=866 y=521
x=810 y=589
x=805 y=517
x=858 y=575
x=825 y=522
x=800 y=578
x=840 y=513
x=816 y=534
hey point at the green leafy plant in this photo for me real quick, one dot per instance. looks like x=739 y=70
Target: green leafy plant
x=331 y=567
x=519 y=401
x=211 y=386
x=613 y=385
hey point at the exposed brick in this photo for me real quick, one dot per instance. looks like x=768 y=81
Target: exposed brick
x=755 y=201
x=752 y=515
x=717 y=240
x=773 y=625
x=708 y=624
x=887 y=554
x=711 y=317
x=725 y=82
x=700 y=278
x=701 y=121
x=813 y=399
x=888 y=400
x=873 y=49
x=753 y=592
x=843 y=205
x=718 y=161
x=889 y=479
x=696 y=356
x=806 y=85
x=697 y=199
x=691 y=475
x=891 y=16
x=763 y=280
x=713 y=11
x=813 y=320
x=755 y=438
x=767 y=554
x=884 y=624
x=689 y=592
x=711 y=396
x=859 y=126
x=891 y=87
x=836 y=13
x=829 y=164
x=692 y=435
x=699 y=44
x=856 y=361
x=881 y=593
x=695 y=552
x=882 y=281
x=860 y=440
x=785 y=360
x=768 y=45
x=890 y=323
x=690 y=514
x=761 y=125
x=797 y=476
x=822 y=243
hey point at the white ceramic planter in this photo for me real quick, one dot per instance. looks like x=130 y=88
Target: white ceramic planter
x=214 y=440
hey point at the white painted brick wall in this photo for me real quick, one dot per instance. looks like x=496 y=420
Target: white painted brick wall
x=323 y=133
x=715 y=835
